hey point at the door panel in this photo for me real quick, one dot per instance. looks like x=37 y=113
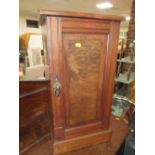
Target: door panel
x=83 y=62
x=83 y=59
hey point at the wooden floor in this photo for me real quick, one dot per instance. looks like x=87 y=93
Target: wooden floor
x=120 y=131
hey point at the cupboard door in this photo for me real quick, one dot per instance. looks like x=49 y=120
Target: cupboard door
x=81 y=52
x=83 y=81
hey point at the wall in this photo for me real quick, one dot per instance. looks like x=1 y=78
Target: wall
x=22 y=25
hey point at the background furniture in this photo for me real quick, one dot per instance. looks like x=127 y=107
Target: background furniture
x=35 y=72
x=31 y=40
x=124 y=96
x=32 y=57
x=34 y=120
x=82 y=59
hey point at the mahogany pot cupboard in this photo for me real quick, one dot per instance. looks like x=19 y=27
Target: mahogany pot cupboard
x=82 y=51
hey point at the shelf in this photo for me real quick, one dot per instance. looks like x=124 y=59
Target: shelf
x=127 y=60
x=123 y=91
x=124 y=98
x=33 y=92
x=123 y=78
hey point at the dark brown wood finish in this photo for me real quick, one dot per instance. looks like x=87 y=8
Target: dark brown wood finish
x=120 y=131
x=55 y=13
x=82 y=53
x=29 y=86
x=34 y=120
x=110 y=68
x=81 y=142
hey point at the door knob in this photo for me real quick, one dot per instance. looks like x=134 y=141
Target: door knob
x=57 y=86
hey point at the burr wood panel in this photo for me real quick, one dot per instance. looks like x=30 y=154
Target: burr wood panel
x=84 y=54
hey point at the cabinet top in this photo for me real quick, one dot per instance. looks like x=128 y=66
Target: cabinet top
x=80 y=15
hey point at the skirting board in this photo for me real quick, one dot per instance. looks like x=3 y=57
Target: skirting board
x=81 y=142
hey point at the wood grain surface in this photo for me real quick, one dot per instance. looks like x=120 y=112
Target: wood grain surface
x=33 y=113
x=82 y=70
x=82 y=54
x=120 y=131
x=45 y=12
